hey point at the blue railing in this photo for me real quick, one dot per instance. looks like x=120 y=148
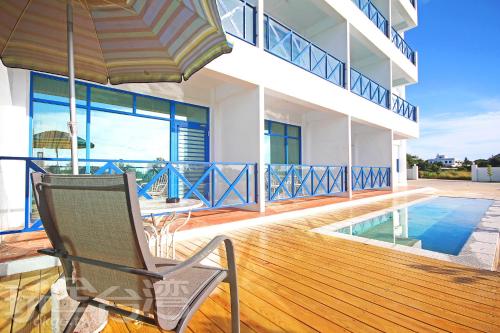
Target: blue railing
x=402 y=45
x=373 y=14
x=290 y=46
x=367 y=177
x=216 y=185
x=239 y=19
x=404 y=108
x=369 y=89
x=287 y=181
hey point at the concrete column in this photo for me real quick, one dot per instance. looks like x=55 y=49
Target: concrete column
x=261 y=205
x=14 y=141
x=239 y=131
x=260 y=24
x=473 y=172
x=348 y=59
x=349 y=158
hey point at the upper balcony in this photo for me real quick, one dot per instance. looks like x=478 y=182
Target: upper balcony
x=320 y=48
x=382 y=23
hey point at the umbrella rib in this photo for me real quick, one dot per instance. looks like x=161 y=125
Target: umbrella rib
x=97 y=37
x=15 y=26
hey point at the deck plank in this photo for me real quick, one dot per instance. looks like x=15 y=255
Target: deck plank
x=9 y=288
x=27 y=320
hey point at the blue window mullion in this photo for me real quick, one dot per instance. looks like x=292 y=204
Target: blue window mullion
x=88 y=132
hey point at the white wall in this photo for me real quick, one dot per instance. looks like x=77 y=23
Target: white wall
x=238 y=128
x=481 y=174
x=371 y=146
x=14 y=141
x=412 y=173
x=326 y=139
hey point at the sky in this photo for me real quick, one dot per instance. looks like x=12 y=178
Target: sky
x=458 y=45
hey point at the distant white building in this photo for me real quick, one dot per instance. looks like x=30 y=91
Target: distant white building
x=446 y=161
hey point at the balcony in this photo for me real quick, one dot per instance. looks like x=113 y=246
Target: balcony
x=369 y=89
x=404 y=108
x=239 y=20
x=282 y=42
x=369 y=9
x=402 y=45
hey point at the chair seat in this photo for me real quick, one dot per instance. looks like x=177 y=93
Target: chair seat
x=175 y=295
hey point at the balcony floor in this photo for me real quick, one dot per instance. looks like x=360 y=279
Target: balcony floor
x=295 y=280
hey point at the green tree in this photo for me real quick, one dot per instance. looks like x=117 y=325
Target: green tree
x=489 y=170
x=494 y=160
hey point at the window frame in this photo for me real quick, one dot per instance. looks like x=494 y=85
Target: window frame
x=286 y=137
x=173 y=123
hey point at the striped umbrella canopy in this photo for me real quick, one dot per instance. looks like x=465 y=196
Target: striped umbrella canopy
x=114 y=41
x=57 y=140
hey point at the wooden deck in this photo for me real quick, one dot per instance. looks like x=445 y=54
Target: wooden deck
x=295 y=280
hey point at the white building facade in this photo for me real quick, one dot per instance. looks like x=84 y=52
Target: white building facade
x=449 y=162
x=310 y=102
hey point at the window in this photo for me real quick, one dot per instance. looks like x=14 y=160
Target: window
x=282 y=142
x=187 y=112
x=113 y=124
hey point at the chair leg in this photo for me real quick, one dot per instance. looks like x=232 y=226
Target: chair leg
x=235 y=305
x=75 y=318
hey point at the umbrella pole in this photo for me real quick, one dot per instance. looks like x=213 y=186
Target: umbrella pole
x=71 y=81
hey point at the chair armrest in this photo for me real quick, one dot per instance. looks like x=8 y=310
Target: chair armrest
x=193 y=261
x=116 y=267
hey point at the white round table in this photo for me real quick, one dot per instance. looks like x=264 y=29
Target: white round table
x=160 y=207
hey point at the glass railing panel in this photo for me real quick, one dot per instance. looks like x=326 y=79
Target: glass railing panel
x=279 y=40
x=238 y=19
x=404 y=108
x=334 y=70
x=402 y=45
x=369 y=89
x=318 y=61
x=301 y=54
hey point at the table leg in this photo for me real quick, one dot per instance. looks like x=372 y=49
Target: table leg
x=165 y=231
x=172 y=241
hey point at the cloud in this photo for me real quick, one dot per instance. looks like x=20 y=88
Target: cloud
x=460 y=135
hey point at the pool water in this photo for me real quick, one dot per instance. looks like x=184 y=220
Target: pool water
x=441 y=224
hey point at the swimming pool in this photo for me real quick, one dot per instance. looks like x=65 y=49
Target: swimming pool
x=441 y=224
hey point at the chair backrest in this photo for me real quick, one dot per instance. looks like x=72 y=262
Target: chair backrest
x=97 y=217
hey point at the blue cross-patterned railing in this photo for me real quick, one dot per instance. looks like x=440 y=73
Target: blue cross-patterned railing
x=290 y=181
x=369 y=89
x=369 y=9
x=402 y=45
x=290 y=46
x=369 y=177
x=404 y=108
x=239 y=19
x=215 y=184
